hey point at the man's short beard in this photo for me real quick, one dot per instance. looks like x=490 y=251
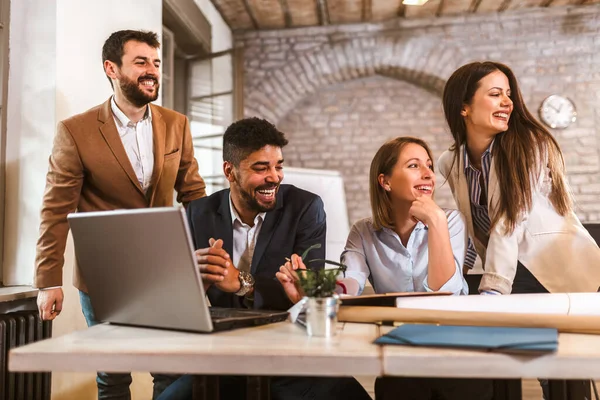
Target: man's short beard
x=254 y=205
x=135 y=95
x=251 y=202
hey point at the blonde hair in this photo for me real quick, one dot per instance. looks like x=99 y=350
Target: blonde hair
x=383 y=163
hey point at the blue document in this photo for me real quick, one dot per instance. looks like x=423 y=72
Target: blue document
x=489 y=338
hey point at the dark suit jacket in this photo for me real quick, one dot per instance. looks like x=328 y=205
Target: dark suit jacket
x=296 y=223
x=90 y=171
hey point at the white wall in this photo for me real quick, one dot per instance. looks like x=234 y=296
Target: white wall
x=83 y=26
x=30 y=128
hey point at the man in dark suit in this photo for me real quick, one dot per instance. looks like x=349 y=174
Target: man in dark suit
x=245 y=233
x=295 y=222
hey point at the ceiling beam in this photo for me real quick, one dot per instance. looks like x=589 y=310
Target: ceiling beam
x=440 y=9
x=250 y=14
x=286 y=13
x=323 y=12
x=367 y=10
x=504 y=6
x=474 y=6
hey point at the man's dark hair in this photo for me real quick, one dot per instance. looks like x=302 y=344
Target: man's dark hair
x=114 y=46
x=248 y=135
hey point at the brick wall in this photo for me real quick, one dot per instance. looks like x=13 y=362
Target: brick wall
x=327 y=84
x=348 y=122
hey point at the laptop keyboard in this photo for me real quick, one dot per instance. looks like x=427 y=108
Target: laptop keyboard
x=222 y=313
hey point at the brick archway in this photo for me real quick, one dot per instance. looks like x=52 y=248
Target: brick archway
x=421 y=62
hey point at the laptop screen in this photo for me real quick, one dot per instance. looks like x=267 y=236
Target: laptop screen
x=140 y=268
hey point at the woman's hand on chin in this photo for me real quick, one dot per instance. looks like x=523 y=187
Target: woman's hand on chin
x=425 y=210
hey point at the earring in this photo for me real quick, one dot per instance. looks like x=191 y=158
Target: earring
x=387 y=188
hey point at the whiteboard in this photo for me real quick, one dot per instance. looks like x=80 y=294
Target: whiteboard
x=329 y=185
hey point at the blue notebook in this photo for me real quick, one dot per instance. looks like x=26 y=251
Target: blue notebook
x=490 y=338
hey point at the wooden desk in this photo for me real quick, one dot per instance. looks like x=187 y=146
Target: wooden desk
x=276 y=349
x=578 y=357
x=284 y=349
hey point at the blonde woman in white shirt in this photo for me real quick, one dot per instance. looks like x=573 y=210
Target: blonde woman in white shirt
x=409 y=244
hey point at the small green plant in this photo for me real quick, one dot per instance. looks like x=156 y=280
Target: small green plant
x=315 y=281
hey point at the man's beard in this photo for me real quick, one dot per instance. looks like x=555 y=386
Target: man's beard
x=134 y=94
x=253 y=204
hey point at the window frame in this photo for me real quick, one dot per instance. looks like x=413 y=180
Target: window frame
x=4 y=66
x=168 y=68
x=217 y=181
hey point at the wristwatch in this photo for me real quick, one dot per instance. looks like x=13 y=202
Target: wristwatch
x=246 y=283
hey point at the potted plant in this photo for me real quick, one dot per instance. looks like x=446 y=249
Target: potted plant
x=321 y=302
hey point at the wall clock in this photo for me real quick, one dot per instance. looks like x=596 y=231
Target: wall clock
x=558 y=112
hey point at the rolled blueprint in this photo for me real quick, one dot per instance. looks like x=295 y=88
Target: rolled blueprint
x=564 y=323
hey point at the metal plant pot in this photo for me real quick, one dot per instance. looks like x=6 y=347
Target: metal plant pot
x=321 y=316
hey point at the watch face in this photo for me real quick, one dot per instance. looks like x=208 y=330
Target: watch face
x=558 y=112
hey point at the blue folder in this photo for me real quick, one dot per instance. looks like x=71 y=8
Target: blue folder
x=490 y=338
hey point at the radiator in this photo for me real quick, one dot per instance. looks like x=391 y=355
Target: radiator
x=17 y=329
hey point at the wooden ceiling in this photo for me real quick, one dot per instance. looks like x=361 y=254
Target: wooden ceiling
x=280 y=14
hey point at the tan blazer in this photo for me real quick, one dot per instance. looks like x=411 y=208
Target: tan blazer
x=89 y=171
x=556 y=249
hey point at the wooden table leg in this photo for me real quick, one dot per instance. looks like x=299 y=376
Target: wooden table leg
x=569 y=390
x=258 y=388
x=206 y=387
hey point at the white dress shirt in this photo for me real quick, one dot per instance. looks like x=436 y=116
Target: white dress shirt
x=380 y=256
x=138 y=142
x=244 y=238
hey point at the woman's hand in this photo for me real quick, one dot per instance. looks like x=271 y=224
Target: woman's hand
x=425 y=210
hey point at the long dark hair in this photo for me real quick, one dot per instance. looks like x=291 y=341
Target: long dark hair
x=520 y=153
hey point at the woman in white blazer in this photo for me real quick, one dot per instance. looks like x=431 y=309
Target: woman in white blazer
x=506 y=173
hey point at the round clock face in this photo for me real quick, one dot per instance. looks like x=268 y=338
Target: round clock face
x=557 y=112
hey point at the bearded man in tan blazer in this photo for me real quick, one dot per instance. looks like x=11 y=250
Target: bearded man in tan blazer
x=124 y=153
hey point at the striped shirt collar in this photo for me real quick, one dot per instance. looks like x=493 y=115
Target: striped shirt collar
x=486 y=156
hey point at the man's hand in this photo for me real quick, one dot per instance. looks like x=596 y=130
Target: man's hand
x=212 y=262
x=217 y=268
x=231 y=281
x=50 y=302
x=288 y=278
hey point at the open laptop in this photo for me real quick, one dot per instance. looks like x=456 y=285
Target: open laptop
x=140 y=269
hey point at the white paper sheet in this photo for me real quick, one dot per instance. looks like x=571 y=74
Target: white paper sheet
x=542 y=303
